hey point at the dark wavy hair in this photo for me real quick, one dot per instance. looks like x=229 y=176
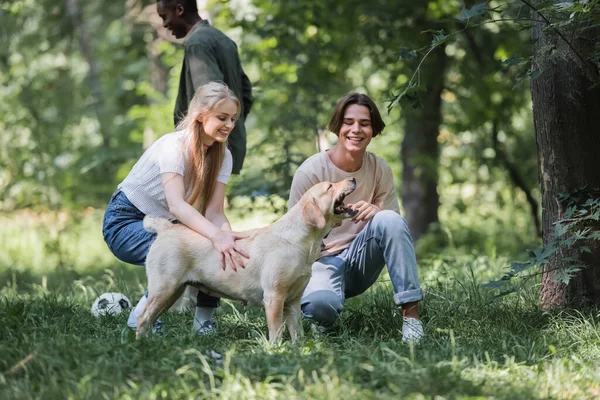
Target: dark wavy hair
x=337 y=119
x=189 y=6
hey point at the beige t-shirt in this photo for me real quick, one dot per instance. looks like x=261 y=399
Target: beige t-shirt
x=374 y=184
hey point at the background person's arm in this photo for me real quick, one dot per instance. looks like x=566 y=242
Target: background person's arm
x=247 y=98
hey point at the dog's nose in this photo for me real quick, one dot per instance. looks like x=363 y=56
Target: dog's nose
x=352 y=180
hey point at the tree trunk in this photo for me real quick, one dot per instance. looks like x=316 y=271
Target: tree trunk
x=566 y=112
x=86 y=49
x=420 y=151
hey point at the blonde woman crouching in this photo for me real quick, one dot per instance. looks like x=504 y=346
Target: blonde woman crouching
x=181 y=177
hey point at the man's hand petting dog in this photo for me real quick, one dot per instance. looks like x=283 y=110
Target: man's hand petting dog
x=231 y=253
x=366 y=211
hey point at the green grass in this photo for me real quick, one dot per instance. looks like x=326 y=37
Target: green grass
x=477 y=346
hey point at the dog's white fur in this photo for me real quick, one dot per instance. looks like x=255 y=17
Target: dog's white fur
x=279 y=268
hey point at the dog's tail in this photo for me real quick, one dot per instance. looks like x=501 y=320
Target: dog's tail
x=156 y=225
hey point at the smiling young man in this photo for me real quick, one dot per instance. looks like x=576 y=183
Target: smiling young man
x=353 y=254
x=209 y=55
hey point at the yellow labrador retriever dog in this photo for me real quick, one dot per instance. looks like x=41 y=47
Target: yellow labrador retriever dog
x=279 y=268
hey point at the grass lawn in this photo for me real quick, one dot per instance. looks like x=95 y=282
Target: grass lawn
x=477 y=346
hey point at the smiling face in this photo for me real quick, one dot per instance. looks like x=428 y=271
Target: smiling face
x=356 y=130
x=219 y=123
x=172 y=17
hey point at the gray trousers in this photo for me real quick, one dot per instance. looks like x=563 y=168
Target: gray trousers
x=385 y=240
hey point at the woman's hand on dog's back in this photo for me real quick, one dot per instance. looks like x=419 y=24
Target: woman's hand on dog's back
x=224 y=241
x=230 y=252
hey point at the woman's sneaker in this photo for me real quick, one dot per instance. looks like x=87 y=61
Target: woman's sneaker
x=133 y=317
x=207 y=328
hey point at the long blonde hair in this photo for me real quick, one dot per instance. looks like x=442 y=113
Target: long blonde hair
x=202 y=167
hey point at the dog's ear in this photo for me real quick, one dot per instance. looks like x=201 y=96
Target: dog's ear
x=313 y=215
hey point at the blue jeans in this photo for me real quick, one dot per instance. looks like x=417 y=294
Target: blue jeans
x=124 y=233
x=385 y=240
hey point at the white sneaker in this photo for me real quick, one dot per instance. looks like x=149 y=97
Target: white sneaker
x=318 y=329
x=412 y=330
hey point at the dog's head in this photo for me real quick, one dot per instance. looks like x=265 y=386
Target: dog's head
x=324 y=203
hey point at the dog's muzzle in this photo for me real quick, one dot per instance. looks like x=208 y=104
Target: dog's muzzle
x=339 y=207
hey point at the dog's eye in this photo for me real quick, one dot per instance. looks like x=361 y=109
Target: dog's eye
x=329 y=187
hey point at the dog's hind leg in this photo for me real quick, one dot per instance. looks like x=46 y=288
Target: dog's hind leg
x=160 y=298
x=274 y=310
x=293 y=316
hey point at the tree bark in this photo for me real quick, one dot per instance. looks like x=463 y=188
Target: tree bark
x=420 y=151
x=566 y=113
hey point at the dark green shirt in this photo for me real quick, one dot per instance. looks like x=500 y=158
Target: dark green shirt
x=210 y=55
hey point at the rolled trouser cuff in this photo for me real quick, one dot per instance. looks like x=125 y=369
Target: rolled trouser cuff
x=409 y=296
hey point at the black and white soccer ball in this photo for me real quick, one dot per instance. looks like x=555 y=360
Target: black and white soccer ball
x=110 y=303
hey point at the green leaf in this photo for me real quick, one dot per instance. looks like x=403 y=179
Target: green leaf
x=564 y=275
x=410 y=92
x=518 y=267
x=570 y=211
x=581 y=234
x=495 y=284
x=537 y=73
x=585 y=249
x=407 y=54
x=476 y=11
x=560 y=229
x=515 y=60
x=439 y=37
x=543 y=254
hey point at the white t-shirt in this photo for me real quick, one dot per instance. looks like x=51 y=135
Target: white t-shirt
x=143 y=185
